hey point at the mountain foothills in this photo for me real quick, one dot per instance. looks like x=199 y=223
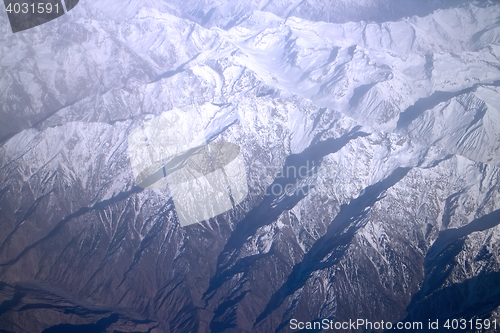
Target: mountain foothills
x=389 y=110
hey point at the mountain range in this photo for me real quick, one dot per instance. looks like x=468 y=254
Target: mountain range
x=370 y=135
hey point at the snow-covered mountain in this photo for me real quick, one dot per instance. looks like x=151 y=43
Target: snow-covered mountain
x=370 y=135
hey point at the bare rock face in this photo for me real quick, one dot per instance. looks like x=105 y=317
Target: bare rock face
x=367 y=137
